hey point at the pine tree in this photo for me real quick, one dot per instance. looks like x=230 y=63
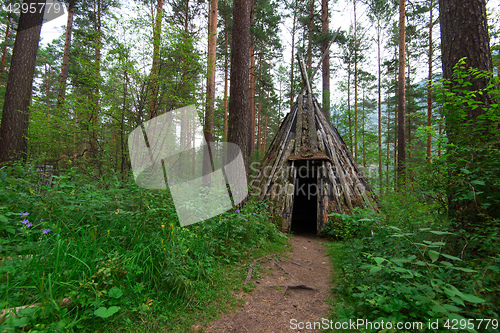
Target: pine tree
x=238 y=97
x=15 y=116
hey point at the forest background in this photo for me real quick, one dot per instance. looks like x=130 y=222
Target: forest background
x=117 y=253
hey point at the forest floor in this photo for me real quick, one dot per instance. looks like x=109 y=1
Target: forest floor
x=287 y=290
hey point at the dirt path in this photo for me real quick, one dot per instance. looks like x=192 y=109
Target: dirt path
x=272 y=306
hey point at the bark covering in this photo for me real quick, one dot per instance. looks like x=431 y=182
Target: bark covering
x=15 y=117
x=238 y=130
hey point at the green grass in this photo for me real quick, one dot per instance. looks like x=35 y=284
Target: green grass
x=119 y=254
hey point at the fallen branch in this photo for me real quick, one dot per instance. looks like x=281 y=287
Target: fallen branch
x=296 y=263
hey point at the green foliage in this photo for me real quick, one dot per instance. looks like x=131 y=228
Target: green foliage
x=114 y=251
x=473 y=158
x=409 y=267
x=347 y=227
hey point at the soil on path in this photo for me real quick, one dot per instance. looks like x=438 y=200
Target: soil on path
x=288 y=289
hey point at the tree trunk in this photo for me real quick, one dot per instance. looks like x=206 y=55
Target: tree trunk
x=15 y=116
x=429 y=85
x=185 y=138
x=379 y=91
x=388 y=147
x=260 y=117
x=65 y=62
x=355 y=88
x=238 y=93
x=326 y=60
x=440 y=131
x=396 y=119
x=122 y=127
x=226 y=71
x=363 y=128
x=208 y=127
x=95 y=109
x=251 y=90
x=292 y=96
x=464 y=33
x=155 y=69
x=401 y=95
x=349 y=101
x=310 y=33
x=259 y=122
x=408 y=113
x=264 y=141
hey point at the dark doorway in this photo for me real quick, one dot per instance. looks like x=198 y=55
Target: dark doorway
x=305 y=203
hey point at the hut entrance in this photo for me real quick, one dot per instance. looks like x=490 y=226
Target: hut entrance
x=305 y=201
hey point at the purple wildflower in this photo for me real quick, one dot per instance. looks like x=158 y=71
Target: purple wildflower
x=41 y=220
x=28 y=225
x=25 y=222
x=24 y=214
x=246 y=220
x=238 y=211
x=44 y=231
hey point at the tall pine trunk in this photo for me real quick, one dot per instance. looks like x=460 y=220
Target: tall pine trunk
x=67 y=48
x=401 y=95
x=349 y=101
x=396 y=107
x=155 y=69
x=292 y=96
x=238 y=95
x=408 y=112
x=93 y=142
x=251 y=90
x=429 y=85
x=363 y=129
x=208 y=127
x=388 y=154
x=226 y=71
x=464 y=34
x=212 y=48
x=326 y=60
x=15 y=116
x=355 y=88
x=379 y=93
x=310 y=36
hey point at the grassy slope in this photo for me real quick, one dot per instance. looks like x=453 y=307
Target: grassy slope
x=117 y=251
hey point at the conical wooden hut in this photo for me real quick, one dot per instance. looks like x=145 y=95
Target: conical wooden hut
x=308 y=172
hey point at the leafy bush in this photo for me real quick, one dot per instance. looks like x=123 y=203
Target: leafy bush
x=347 y=227
x=472 y=160
x=397 y=275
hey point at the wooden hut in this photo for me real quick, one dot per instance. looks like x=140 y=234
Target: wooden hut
x=308 y=172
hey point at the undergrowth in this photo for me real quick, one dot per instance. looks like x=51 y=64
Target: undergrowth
x=108 y=256
x=395 y=267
